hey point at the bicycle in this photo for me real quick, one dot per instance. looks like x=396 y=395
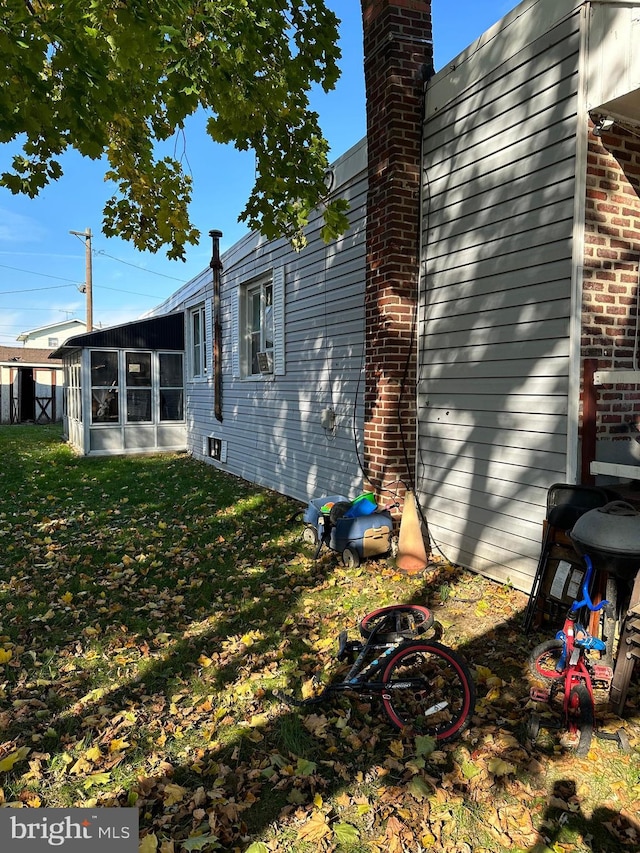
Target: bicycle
x=425 y=687
x=564 y=665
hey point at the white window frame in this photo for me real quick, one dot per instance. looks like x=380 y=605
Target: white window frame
x=199 y=351
x=244 y=333
x=132 y=360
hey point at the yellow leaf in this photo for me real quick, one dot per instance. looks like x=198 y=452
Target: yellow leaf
x=9 y=760
x=173 y=794
x=149 y=844
x=93 y=753
x=97 y=779
x=81 y=766
x=118 y=744
x=396 y=747
x=204 y=661
x=483 y=673
x=310 y=688
x=315 y=829
x=500 y=768
x=5 y=655
x=67 y=597
x=317 y=801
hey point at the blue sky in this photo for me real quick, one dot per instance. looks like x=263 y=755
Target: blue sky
x=41 y=264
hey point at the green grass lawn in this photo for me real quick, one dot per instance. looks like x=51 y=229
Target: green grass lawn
x=150 y=605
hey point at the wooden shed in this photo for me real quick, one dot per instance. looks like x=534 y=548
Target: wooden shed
x=30 y=386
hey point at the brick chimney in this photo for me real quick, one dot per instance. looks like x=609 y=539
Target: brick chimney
x=398 y=54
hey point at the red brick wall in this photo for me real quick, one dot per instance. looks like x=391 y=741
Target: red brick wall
x=397 y=52
x=610 y=292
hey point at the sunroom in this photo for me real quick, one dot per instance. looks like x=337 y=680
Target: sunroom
x=124 y=388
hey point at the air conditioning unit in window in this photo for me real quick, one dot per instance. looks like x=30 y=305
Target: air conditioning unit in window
x=265 y=362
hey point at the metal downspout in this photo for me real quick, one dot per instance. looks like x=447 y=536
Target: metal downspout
x=577 y=260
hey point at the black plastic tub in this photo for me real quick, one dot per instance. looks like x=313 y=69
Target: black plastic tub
x=610 y=536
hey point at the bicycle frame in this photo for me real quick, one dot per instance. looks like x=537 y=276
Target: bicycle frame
x=356 y=679
x=572 y=667
x=420 y=682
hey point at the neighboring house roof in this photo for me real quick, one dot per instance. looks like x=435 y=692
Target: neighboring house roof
x=51 y=327
x=165 y=333
x=25 y=356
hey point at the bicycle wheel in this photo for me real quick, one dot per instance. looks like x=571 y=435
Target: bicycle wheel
x=428 y=690
x=396 y=622
x=544 y=659
x=581 y=717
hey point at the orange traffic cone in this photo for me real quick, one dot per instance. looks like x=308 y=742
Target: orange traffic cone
x=412 y=554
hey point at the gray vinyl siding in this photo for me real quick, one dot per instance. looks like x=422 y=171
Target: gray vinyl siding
x=272 y=424
x=495 y=296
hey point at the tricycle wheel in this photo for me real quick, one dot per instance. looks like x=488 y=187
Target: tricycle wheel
x=544 y=660
x=581 y=717
x=350 y=558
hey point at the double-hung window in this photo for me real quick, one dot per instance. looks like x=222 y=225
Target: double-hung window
x=258 y=335
x=259 y=338
x=198 y=362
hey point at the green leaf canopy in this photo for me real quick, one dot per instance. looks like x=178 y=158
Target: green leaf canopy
x=116 y=78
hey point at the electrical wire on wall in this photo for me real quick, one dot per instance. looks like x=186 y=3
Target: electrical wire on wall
x=423 y=228
x=328 y=415
x=412 y=352
x=422 y=276
x=355 y=406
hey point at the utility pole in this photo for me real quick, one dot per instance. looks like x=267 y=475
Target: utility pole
x=88 y=283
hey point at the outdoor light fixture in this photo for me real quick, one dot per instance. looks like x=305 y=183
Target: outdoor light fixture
x=602 y=125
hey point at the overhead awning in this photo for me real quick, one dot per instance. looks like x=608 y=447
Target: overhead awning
x=156 y=333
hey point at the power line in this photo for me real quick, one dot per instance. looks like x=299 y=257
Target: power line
x=75 y=283
x=33 y=272
x=136 y=267
x=45 y=309
x=130 y=292
x=32 y=289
